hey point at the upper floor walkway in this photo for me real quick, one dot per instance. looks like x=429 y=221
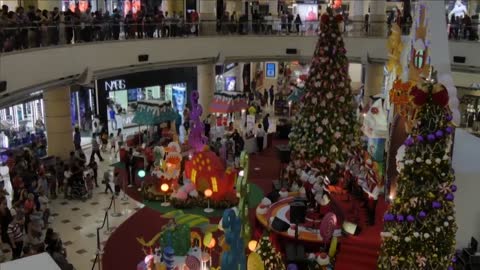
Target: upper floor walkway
x=37 y=68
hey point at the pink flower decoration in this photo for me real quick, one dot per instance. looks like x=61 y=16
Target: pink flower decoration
x=421 y=261
x=394 y=260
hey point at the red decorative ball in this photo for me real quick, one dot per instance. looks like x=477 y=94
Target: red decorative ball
x=441 y=97
x=419 y=97
x=324 y=18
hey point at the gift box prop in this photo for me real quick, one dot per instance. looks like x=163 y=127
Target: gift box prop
x=206 y=171
x=365 y=173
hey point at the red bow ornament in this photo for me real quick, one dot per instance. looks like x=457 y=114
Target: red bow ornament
x=439 y=95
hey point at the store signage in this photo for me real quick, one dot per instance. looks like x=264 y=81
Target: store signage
x=270 y=70
x=114 y=85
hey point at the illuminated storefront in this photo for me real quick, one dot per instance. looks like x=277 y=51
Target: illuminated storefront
x=118 y=96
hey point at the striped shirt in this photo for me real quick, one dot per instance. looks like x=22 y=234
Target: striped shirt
x=16 y=231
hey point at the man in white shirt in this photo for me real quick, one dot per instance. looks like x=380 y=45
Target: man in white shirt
x=260 y=134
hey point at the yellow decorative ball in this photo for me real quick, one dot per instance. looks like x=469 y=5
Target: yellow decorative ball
x=255 y=262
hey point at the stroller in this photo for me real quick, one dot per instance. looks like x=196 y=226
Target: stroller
x=79 y=189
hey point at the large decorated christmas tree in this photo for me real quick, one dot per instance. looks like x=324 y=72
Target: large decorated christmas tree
x=420 y=226
x=325 y=127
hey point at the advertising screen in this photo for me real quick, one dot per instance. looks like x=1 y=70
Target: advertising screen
x=230 y=83
x=270 y=70
x=307 y=12
x=177 y=94
x=132 y=95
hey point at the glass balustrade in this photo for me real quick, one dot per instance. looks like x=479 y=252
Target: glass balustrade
x=25 y=37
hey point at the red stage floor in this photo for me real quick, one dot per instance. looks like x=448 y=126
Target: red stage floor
x=122 y=251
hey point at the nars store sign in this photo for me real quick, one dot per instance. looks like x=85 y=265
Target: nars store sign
x=115 y=85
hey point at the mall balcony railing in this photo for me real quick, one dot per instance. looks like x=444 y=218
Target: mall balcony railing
x=25 y=37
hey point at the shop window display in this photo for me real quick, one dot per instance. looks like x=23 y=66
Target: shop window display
x=21 y=124
x=122 y=102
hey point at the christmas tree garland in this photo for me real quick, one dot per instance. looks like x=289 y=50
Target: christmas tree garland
x=420 y=226
x=326 y=126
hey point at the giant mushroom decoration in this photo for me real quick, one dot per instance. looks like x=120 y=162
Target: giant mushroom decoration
x=206 y=171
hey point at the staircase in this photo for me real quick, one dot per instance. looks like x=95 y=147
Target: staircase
x=361 y=252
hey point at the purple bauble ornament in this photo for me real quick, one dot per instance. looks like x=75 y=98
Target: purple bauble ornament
x=439 y=134
x=400 y=218
x=450 y=268
x=410 y=218
x=292 y=266
x=449 y=197
x=454 y=259
x=449 y=117
x=453 y=188
x=409 y=141
x=422 y=214
x=388 y=217
x=420 y=138
x=449 y=130
x=431 y=137
x=436 y=205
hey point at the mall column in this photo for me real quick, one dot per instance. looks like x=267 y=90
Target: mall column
x=58 y=121
x=378 y=18
x=206 y=86
x=357 y=16
x=373 y=81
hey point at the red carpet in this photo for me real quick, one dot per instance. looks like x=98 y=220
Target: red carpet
x=122 y=251
x=361 y=252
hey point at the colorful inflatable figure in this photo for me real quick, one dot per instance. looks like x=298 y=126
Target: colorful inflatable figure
x=196 y=138
x=234 y=258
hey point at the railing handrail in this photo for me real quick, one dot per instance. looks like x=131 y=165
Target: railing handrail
x=17 y=38
x=105 y=222
x=32 y=26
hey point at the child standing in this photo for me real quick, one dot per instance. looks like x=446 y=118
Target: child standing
x=67 y=181
x=94 y=168
x=44 y=207
x=117 y=182
x=113 y=144
x=89 y=183
x=106 y=180
x=60 y=175
x=104 y=139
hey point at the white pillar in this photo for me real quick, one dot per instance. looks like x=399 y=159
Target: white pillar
x=378 y=17
x=206 y=86
x=357 y=15
x=439 y=53
x=58 y=121
x=239 y=77
x=273 y=7
x=207 y=12
x=373 y=80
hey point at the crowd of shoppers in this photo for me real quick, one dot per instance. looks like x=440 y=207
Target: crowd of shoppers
x=465 y=27
x=22 y=29
x=25 y=214
x=28 y=28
